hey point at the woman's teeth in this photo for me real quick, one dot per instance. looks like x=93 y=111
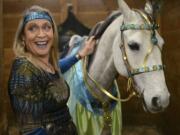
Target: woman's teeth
x=42 y=44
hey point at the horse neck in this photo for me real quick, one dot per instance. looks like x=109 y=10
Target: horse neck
x=102 y=67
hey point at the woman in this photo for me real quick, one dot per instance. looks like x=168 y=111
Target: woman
x=37 y=91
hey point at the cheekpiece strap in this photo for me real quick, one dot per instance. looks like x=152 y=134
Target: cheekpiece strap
x=147 y=69
x=37 y=15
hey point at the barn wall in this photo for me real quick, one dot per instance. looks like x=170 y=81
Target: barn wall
x=168 y=121
x=3 y=120
x=171 y=34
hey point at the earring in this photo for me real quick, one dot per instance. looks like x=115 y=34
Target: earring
x=23 y=43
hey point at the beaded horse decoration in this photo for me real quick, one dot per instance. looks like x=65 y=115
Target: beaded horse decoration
x=130 y=46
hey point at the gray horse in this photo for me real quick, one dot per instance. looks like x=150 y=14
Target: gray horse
x=131 y=47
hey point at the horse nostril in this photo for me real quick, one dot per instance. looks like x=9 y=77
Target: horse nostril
x=156 y=102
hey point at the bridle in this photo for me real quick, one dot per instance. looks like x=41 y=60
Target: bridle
x=144 y=68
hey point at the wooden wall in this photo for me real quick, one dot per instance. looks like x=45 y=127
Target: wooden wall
x=89 y=12
x=171 y=34
x=169 y=120
x=3 y=120
x=1 y=43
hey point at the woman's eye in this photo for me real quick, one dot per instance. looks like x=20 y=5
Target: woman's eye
x=33 y=28
x=134 y=46
x=47 y=27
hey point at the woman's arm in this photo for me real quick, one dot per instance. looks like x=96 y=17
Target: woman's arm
x=67 y=62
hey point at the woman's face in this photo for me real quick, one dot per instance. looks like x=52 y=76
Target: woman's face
x=38 y=37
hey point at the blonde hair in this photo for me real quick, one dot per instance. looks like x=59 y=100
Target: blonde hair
x=19 y=45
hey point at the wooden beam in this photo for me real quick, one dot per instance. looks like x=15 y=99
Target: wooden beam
x=1 y=48
x=75 y=6
x=18 y=6
x=3 y=116
x=63 y=10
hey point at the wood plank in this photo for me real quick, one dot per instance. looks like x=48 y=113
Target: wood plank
x=63 y=12
x=8 y=53
x=1 y=46
x=91 y=5
x=174 y=17
x=89 y=19
x=21 y=5
x=9 y=56
x=8 y=38
x=3 y=114
x=11 y=21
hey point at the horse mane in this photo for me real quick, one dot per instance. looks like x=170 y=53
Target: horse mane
x=100 y=27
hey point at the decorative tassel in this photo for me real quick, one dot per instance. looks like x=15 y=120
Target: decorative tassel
x=107 y=119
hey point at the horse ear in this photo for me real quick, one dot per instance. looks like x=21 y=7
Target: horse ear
x=153 y=7
x=126 y=11
x=148 y=8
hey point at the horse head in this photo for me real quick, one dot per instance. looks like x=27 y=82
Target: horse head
x=137 y=54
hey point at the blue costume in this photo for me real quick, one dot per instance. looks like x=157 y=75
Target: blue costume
x=39 y=99
x=86 y=111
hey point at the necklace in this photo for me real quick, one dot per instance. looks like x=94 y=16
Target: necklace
x=47 y=66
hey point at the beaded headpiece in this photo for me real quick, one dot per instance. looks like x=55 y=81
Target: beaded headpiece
x=37 y=15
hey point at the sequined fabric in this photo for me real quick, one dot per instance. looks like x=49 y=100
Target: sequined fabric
x=39 y=100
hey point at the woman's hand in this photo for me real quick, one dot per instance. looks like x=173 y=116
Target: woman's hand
x=88 y=47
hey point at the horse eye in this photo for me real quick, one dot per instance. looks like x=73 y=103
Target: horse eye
x=134 y=46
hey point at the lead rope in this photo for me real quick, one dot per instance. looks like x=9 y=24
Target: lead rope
x=107 y=119
x=106 y=92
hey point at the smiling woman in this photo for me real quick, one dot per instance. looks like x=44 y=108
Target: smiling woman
x=38 y=37
x=37 y=91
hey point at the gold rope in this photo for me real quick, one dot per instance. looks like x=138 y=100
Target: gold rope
x=102 y=89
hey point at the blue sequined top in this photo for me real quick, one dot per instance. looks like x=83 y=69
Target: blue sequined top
x=39 y=98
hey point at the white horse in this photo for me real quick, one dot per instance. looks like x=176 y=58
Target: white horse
x=131 y=47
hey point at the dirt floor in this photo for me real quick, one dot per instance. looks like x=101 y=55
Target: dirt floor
x=141 y=130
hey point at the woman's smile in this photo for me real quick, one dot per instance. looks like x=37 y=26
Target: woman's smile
x=41 y=44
